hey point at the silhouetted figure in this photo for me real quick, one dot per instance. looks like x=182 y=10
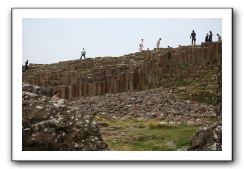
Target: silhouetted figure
x=83 y=53
x=141 y=45
x=193 y=38
x=158 y=43
x=207 y=38
x=26 y=64
x=219 y=38
x=210 y=36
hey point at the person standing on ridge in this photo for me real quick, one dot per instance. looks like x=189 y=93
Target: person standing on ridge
x=83 y=53
x=193 y=38
x=141 y=46
x=206 y=38
x=219 y=38
x=26 y=64
x=210 y=36
x=158 y=43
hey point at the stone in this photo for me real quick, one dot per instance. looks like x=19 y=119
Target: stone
x=170 y=145
x=47 y=127
x=207 y=138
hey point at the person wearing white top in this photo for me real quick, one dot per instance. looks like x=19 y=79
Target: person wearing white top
x=158 y=43
x=141 y=46
x=83 y=53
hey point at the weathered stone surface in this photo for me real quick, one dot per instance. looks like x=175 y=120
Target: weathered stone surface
x=160 y=103
x=207 y=138
x=50 y=126
x=47 y=91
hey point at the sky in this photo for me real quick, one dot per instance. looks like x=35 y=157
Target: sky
x=50 y=40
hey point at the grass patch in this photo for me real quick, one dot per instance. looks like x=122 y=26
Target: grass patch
x=156 y=125
x=149 y=135
x=198 y=93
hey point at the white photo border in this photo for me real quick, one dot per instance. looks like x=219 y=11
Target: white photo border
x=19 y=13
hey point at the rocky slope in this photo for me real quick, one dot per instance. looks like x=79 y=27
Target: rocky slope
x=48 y=126
x=160 y=103
x=70 y=125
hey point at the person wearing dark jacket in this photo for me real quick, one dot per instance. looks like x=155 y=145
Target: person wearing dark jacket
x=210 y=36
x=26 y=64
x=193 y=38
x=206 y=38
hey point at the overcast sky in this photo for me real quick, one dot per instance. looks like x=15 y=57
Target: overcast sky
x=54 y=40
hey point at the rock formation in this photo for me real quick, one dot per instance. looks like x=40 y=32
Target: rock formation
x=209 y=137
x=133 y=72
x=48 y=126
x=138 y=86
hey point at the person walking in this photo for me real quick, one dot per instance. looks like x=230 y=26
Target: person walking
x=193 y=38
x=210 y=36
x=158 y=43
x=141 y=46
x=219 y=38
x=83 y=53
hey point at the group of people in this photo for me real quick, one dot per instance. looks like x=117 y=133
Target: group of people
x=208 y=38
x=141 y=46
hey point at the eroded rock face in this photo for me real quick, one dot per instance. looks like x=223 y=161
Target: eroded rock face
x=47 y=91
x=51 y=126
x=207 y=138
x=132 y=72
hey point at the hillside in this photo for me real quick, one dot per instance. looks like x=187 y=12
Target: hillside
x=172 y=90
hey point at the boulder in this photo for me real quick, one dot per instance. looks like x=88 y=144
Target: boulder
x=46 y=127
x=207 y=138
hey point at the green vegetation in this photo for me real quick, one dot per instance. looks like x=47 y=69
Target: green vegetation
x=183 y=66
x=198 y=86
x=149 y=135
x=198 y=93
